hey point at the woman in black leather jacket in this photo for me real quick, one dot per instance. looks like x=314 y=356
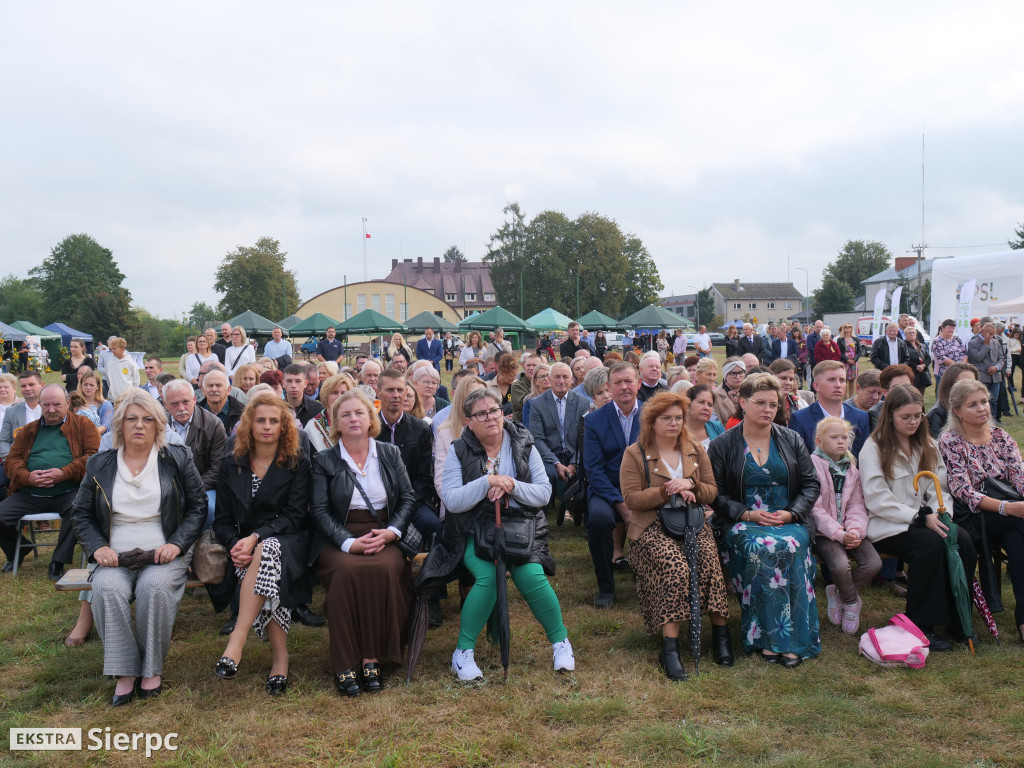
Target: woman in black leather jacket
x=767 y=487
x=262 y=497
x=361 y=501
x=141 y=495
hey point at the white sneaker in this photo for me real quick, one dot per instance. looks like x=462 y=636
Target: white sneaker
x=464 y=666
x=835 y=605
x=564 y=660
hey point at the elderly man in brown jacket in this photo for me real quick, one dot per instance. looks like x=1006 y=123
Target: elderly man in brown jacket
x=45 y=466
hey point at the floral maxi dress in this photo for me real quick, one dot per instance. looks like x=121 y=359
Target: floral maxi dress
x=772 y=569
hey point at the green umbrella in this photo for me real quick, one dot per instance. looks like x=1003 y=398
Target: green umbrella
x=550 y=320
x=370 y=322
x=314 y=325
x=599 y=321
x=652 y=316
x=955 y=565
x=252 y=323
x=493 y=318
x=286 y=324
x=427 y=319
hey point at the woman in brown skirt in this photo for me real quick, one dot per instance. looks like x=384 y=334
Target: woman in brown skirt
x=361 y=501
x=677 y=466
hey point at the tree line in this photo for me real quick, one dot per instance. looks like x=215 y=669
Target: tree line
x=79 y=284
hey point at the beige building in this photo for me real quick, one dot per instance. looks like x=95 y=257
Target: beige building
x=395 y=301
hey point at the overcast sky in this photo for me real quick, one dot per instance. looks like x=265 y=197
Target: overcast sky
x=727 y=136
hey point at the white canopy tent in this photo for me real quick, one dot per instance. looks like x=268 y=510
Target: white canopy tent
x=999 y=277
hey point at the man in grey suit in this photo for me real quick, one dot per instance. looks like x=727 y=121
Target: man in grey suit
x=554 y=423
x=985 y=353
x=202 y=432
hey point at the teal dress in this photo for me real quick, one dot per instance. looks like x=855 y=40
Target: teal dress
x=772 y=568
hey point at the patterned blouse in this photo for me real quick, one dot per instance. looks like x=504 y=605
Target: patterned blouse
x=953 y=349
x=967 y=465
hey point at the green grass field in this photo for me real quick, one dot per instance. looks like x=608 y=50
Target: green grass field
x=617 y=709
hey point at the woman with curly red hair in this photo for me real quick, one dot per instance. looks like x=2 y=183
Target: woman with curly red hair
x=261 y=503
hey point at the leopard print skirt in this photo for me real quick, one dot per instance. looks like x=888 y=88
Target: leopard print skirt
x=663 y=577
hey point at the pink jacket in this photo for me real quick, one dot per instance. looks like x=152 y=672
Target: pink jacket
x=855 y=514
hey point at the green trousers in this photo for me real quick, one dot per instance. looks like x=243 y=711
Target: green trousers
x=532 y=584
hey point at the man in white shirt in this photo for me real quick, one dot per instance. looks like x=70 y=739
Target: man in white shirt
x=702 y=342
x=154 y=367
x=278 y=347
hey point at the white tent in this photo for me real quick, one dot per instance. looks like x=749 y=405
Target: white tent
x=1011 y=307
x=999 y=277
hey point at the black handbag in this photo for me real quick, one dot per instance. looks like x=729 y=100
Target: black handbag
x=676 y=518
x=520 y=527
x=997 y=488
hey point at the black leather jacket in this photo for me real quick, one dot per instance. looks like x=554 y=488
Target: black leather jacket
x=182 y=499
x=726 y=454
x=331 y=491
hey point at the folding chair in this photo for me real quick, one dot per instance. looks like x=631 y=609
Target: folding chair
x=30 y=525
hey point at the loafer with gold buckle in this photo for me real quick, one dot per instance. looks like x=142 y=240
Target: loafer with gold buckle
x=372 y=680
x=347 y=683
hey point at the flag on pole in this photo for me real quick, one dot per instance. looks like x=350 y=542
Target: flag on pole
x=894 y=306
x=963 y=314
x=367 y=235
x=876 y=320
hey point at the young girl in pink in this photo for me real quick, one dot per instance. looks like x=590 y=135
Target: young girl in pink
x=841 y=522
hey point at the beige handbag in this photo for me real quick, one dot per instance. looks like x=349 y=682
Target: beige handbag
x=210 y=559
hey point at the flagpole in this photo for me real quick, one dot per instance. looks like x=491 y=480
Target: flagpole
x=366 y=274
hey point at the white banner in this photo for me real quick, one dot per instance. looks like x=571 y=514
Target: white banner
x=894 y=305
x=963 y=312
x=876 y=322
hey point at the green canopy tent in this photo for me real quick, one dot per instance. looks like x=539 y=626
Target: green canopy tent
x=370 y=322
x=549 y=320
x=599 y=321
x=50 y=340
x=314 y=325
x=498 y=317
x=252 y=323
x=427 y=319
x=286 y=324
x=654 y=317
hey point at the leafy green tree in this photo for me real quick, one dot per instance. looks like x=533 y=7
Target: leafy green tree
x=857 y=261
x=200 y=315
x=454 y=254
x=556 y=262
x=833 y=296
x=81 y=286
x=256 y=278
x=21 y=300
x=706 y=309
x=1017 y=244
x=157 y=336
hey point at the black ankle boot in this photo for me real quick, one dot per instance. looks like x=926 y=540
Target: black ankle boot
x=721 y=645
x=669 y=659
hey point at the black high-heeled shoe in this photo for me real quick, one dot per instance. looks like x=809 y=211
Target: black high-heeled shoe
x=150 y=693
x=373 y=682
x=120 y=699
x=721 y=645
x=347 y=683
x=670 y=661
x=791 y=662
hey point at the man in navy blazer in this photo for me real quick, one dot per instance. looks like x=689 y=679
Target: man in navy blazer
x=429 y=348
x=783 y=346
x=554 y=423
x=830 y=384
x=607 y=433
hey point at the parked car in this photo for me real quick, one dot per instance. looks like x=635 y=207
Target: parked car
x=717 y=339
x=309 y=346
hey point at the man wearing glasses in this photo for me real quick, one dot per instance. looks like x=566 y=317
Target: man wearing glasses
x=45 y=466
x=830 y=384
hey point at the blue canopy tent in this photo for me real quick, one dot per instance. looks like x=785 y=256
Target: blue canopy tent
x=67 y=334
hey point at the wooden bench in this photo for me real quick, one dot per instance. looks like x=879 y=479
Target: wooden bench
x=77 y=579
